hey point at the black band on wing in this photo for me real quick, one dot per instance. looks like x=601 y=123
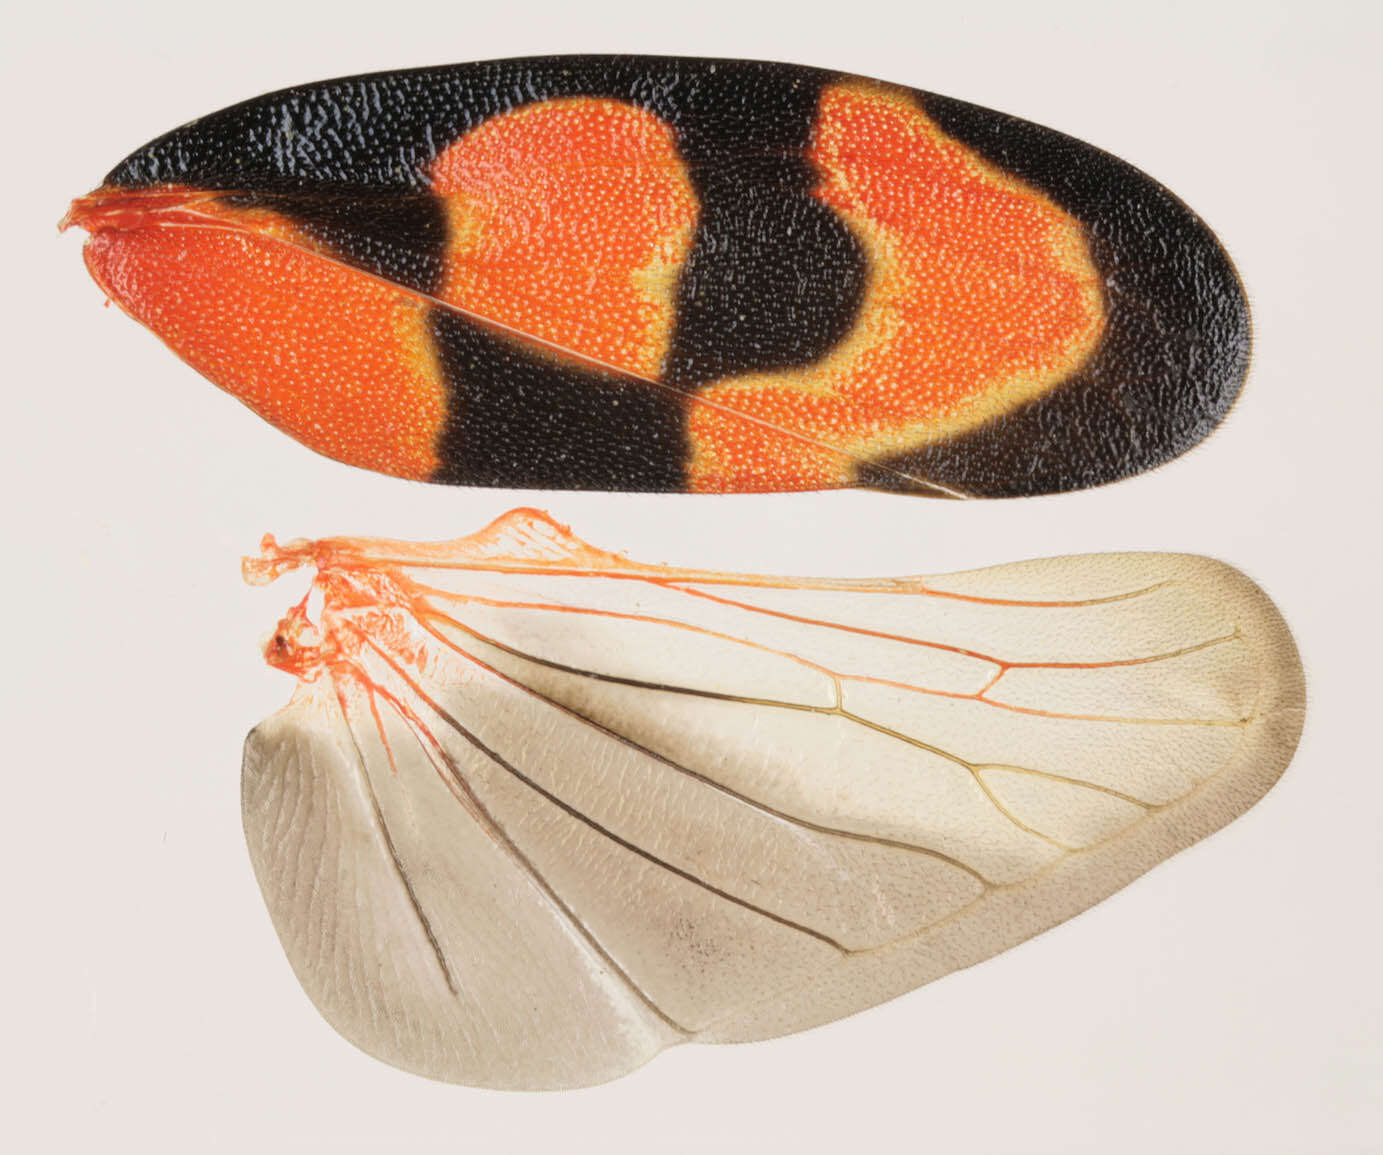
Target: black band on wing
x=525 y=419
x=774 y=279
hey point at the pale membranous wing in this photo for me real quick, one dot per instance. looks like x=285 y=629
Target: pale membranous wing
x=537 y=811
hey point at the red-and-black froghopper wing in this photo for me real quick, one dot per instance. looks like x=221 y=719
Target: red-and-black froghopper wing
x=638 y=273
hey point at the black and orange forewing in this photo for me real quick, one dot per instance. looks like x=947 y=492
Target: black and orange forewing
x=665 y=274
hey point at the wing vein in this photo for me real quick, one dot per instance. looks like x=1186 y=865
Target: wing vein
x=501 y=838
x=504 y=764
x=718 y=695
x=696 y=775
x=378 y=812
x=972 y=767
x=747 y=581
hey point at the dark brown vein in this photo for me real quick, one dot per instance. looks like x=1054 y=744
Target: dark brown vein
x=1004 y=664
x=955 y=695
x=457 y=782
x=504 y=764
x=399 y=870
x=696 y=775
x=837 y=711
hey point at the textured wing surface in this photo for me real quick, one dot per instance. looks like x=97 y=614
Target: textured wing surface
x=654 y=273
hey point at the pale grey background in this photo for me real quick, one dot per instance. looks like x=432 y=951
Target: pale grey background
x=1228 y=1002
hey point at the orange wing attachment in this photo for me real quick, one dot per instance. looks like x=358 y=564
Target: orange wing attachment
x=538 y=811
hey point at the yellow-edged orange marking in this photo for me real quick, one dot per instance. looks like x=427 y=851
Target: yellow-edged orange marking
x=981 y=295
x=338 y=360
x=570 y=221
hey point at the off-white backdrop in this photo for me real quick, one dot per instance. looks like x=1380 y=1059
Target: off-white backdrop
x=1228 y=1002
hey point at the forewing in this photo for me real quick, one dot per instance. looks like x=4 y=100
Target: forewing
x=658 y=273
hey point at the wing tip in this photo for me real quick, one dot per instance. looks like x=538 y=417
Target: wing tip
x=1007 y=917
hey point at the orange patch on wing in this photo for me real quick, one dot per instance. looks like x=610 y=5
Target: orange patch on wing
x=570 y=221
x=333 y=357
x=981 y=295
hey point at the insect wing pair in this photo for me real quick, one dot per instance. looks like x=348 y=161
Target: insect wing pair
x=537 y=812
